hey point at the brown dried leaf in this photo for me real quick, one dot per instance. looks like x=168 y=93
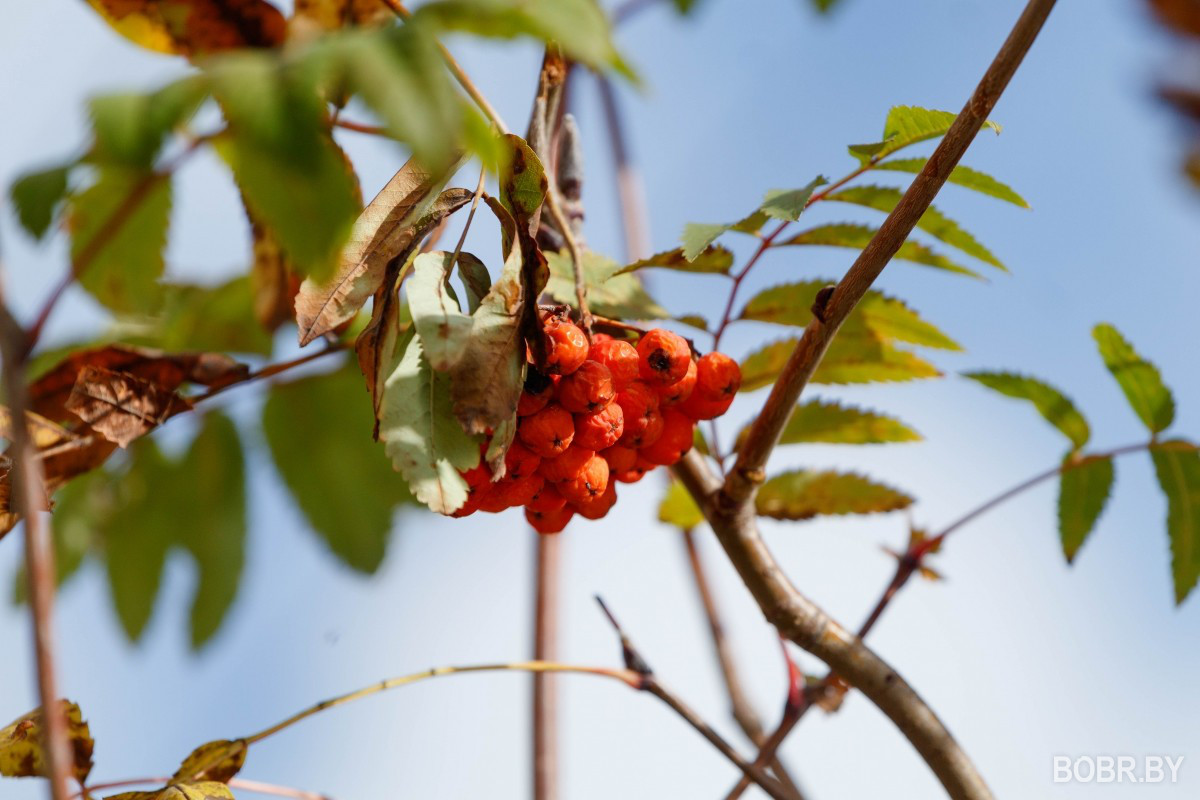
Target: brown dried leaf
x=213 y=761
x=385 y=229
x=331 y=15
x=272 y=280
x=122 y=407
x=22 y=752
x=195 y=27
x=376 y=344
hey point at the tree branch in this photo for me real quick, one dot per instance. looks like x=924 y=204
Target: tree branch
x=545 y=648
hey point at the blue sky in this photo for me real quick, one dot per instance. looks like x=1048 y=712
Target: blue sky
x=1023 y=657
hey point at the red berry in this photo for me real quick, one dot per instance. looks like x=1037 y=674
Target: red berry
x=469 y=507
x=550 y=521
x=620 y=357
x=643 y=422
x=520 y=491
x=698 y=408
x=600 y=429
x=601 y=337
x=680 y=390
x=539 y=389
x=636 y=472
x=587 y=389
x=567 y=465
x=547 y=499
x=598 y=506
x=619 y=458
x=566 y=348
x=548 y=432
x=717 y=377
x=676 y=439
x=589 y=481
x=520 y=462
x=664 y=357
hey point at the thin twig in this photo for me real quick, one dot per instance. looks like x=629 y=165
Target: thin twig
x=271 y=370
x=564 y=226
x=359 y=127
x=548 y=565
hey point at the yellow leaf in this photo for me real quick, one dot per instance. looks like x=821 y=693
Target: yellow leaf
x=215 y=761
x=194 y=27
x=22 y=751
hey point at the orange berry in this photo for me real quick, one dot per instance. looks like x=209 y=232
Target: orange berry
x=699 y=408
x=539 y=389
x=567 y=465
x=547 y=499
x=643 y=422
x=679 y=391
x=600 y=429
x=636 y=472
x=566 y=347
x=548 y=432
x=550 y=521
x=520 y=491
x=676 y=439
x=601 y=337
x=520 y=462
x=587 y=389
x=619 y=458
x=598 y=506
x=620 y=357
x=664 y=357
x=589 y=481
x=717 y=377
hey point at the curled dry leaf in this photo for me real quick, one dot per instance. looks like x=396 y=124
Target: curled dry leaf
x=121 y=407
x=385 y=229
x=204 y=790
x=195 y=27
x=213 y=761
x=22 y=751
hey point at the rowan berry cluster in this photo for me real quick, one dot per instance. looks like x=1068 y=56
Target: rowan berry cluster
x=600 y=414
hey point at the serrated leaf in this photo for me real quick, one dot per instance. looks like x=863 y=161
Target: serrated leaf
x=121 y=407
x=848 y=360
x=1177 y=464
x=697 y=236
x=36 y=196
x=1083 y=490
x=960 y=176
x=336 y=474
x=907 y=125
x=710 y=260
x=933 y=221
x=219 y=761
x=782 y=204
x=678 y=508
x=877 y=314
x=830 y=422
x=787 y=205
x=859 y=236
x=1138 y=378
x=1052 y=404
x=118 y=232
x=196 y=28
x=803 y=494
x=422 y=436
x=22 y=746
x=441 y=324
x=609 y=294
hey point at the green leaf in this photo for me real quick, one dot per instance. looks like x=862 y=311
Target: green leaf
x=443 y=328
x=423 y=438
x=1139 y=379
x=787 y=205
x=709 y=260
x=75 y=507
x=829 y=422
x=213 y=318
x=694 y=320
x=336 y=474
x=679 y=509
x=211 y=521
x=1177 y=464
x=848 y=360
x=609 y=294
x=36 y=197
x=961 y=176
x=858 y=236
x=697 y=236
x=1083 y=490
x=907 y=125
x=876 y=315
x=782 y=204
x=476 y=279
x=1052 y=404
x=933 y=222
x=119 y=230
x=803 y=494
x=130 y=128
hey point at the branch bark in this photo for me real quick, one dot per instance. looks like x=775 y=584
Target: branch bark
x=545 y=648
x=729 y=507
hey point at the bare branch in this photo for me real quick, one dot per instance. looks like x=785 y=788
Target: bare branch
x=545 y=648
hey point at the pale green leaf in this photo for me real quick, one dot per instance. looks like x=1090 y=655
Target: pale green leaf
x=803 y=494
x=36 y=196
x=858 y=236
x=1139 y=379
x=788 y=204
x=830 y=422
x=213 y=318
x=698 y=236
x=713 y=260
x=443 y=327
x=130 y=128
x=1052 y=404
x=1083 y=491
x=679 y=509
x=907 y=125
x=961 y=176
x=609 y=294
x=848 y=360
x=1177 y=464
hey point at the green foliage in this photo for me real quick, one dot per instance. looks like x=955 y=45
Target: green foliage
x=907 y=125
x=72 y=530
x=130 y=128
x=1083 y=491
x=1052 y=404
x=961 y=176
x=830 y=422
x=36 y=196
x=858 y=236
x=318 y=430
x=1139 y=379
x=787 y=205
x=212 y=318
x=679 y=509
x=698 y=236
x=803 y=494
x=781 y=204
x=120 y=264
x=610 y=293
x=1177 y=464
x=443 y=328
x=709 y=260
x=933 y=221
x=848 y=360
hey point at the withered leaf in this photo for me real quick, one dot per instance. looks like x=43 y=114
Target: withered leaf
x=331 y=15
x=121 y=407
x=273 y=282
x=219 y=760
x=64 y=454
x=195 y=27
x=376 y=345
x=205 y=790
x=391 y=224
x=22 y=751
